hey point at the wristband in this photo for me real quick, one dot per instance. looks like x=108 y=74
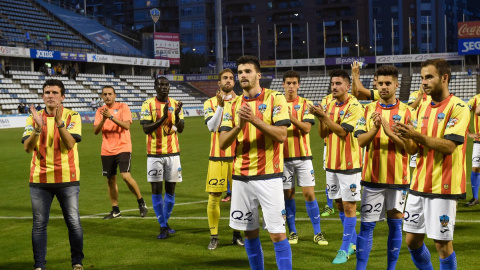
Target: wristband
x=62 y=125
x=38 y=131
x=111 y=117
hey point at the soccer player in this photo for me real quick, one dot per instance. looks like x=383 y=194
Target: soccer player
x=298 y=167
x=473 y=105
x=360 y=92
x=220 y=161
x=385 y=175
x=162 y=119
x=114 y=120
x=52 y=135
x=328 y=209
x=257 y=122
x=439 y=136
x=343 y=159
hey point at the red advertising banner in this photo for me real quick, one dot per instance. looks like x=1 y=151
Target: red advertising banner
x=469 y=29
x=167 y=46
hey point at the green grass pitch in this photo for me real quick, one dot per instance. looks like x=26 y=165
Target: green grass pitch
x=130 y=242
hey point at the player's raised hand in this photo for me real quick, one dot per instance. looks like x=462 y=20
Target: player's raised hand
x=106 y=114
x=58 y=114
x=355 y=68
x=37 y=118
x=377 y=120
x=178 y=109
x=246 y=114
x=386 y=126
x=220 y=98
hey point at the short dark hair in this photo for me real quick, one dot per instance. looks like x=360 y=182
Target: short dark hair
x=249 y=59
x=225 y=71
x=108 y=86
x=157 y=80
x=54 y=82
x=387 y=71
x=291 y=74
x=441 y=65
x=339 y=73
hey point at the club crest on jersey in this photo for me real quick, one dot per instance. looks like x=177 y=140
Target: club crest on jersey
x=415 y=123
x=396 y=118
x=115 y=111
x=227 y=117
x=262 y=108
x=342 y=113
x=296 y=107
x=170 y=109
x=446 y=186
x=276 y=110
x=451 y=122
x=440 y=117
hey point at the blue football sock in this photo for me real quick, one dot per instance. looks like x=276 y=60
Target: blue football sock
x=254 y=253
x=475 y=179
x=169 y=203
x=354 y=235
x=394 y=242
x=364 y=244
x=342 y=216
x=314 y=214
x=283 y=254
x=421 y=258
x=229 y=191
x=449 y=263
x=291 y=210
x=157 y=203
x=329 y=201
x=348 y=230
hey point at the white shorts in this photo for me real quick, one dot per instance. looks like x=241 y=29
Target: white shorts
x=344 y=186
x=302 y=170
x=413 y=161
x=432 y=216
x=377 y=201
x=164 y=168
x=476 y=155
x=248 y=195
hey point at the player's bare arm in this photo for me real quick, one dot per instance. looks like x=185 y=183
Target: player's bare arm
x=360 y=92
x=316 y=111
x=277 y=133
x=30 y=143
x=151 y=127
x=304 y=127
x=220 y=98
x=179 y=124
x=367 y=137
x=443 y=146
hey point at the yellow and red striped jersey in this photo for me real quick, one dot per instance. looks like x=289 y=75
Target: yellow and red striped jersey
x=328 y=98
x=344 y=154
x=413 y=96
x=257 y=156
x=472 y=105
x=385 y=163
x=209 y=108
x=164 y=140
x=52 y=163
x=297 y=144
x=436 y=174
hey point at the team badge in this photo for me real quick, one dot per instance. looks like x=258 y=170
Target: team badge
x=415 y=123
x=276 y=110
x=451 y=122
x=361 y=122
x=396 y=118
x=297 y=107
x=342 y=113
x=115 y=111
x=28 y=128
x=179 y=172
x=284 y=214
x=444 y=220
x=404 y=195
x=353 y=189
x=262 y=108
x=440 y=117
x=446 y=186
x=313 y=173
x=170 y=109
x=208 y=111
x=70 y=126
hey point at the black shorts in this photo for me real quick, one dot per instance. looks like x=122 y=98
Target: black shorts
x=109 y=164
